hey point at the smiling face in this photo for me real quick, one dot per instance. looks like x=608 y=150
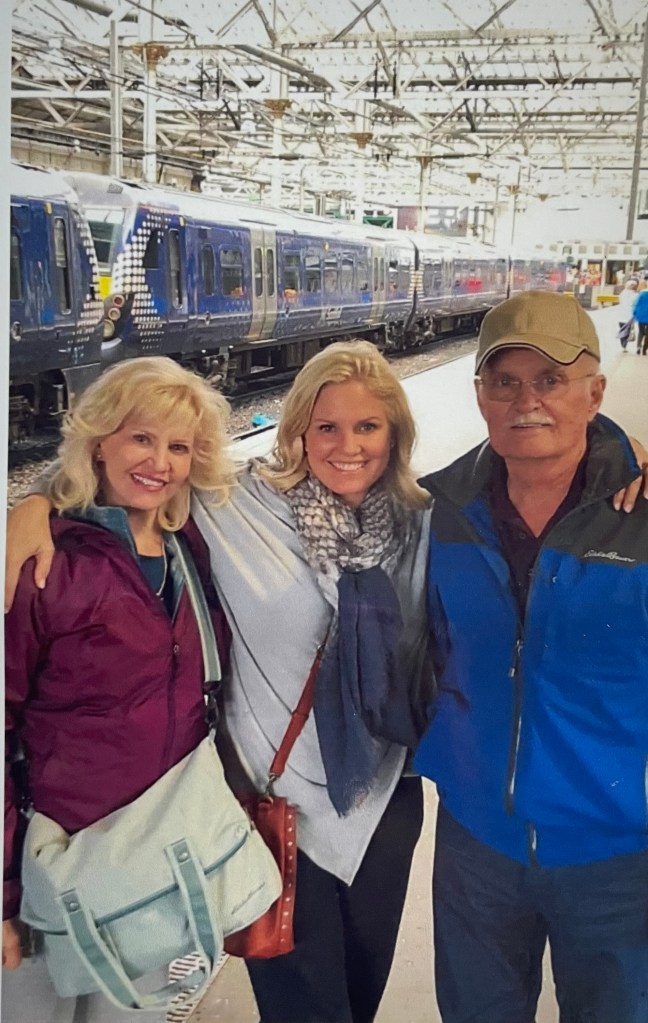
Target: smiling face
x=143 y=465
x=535 y=426
x=348 y=440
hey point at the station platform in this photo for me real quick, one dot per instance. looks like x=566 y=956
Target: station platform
x=449 y=423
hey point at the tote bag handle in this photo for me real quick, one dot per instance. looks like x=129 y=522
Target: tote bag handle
x=104 y=966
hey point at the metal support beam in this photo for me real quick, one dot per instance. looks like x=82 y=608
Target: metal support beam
x=641 y=113
x=363 y=14
x=116 y=137
x=489 y=21
x=98 y=8
x=424 y=163
x=359 y=198
x=149 y=56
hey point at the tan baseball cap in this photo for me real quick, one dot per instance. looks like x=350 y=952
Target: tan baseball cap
x=553 y=324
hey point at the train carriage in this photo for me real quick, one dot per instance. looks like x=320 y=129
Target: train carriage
x=233 y=290
x=55 y=307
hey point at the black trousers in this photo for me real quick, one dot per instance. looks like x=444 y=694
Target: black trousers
x=642 y=338
x=345 y=935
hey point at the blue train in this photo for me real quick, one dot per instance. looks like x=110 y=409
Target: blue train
x=234 y=290
x=56 y=313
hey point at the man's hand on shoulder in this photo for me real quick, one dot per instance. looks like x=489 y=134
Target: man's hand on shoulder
x=627 y=498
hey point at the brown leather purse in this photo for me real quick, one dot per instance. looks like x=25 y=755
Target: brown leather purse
x=276 y=821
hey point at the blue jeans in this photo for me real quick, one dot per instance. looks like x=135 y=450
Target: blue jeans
x=493 y=917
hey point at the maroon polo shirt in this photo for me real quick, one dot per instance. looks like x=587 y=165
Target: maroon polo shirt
x=520 y=546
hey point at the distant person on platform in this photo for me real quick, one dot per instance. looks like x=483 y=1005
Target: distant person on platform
x=627 y=298
x=538 y=611
x=640 y=313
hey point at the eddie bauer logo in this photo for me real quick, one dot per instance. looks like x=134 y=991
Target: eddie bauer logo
x=609 y=556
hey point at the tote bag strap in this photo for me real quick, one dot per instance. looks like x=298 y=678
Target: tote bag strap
x=211 y=660
x=105 y=967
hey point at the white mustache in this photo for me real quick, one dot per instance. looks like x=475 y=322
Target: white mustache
x=532 y=419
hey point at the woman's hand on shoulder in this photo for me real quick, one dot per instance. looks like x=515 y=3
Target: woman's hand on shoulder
x=627 y=498
x=11 y=945
x=28 y=536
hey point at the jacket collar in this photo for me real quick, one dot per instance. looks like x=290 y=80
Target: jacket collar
x=611 y=465
x=114 y=519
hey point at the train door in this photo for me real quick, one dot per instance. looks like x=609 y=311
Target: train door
x=58 y=307
x=23 y=312
x=177 y=281
x=264 y=283
x=378 y=304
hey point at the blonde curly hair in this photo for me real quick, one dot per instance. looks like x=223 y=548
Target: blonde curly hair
x=150 y=389
x=337 y=364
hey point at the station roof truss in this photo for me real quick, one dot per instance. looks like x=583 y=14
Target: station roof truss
x=501 y=94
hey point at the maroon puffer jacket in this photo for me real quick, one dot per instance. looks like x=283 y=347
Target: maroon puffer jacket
x=104 y=689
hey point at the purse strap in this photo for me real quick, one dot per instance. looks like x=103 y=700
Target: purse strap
x=211 y=660
x=297 y=721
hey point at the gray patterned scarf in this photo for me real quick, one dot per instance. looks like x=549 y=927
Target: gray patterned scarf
x=334 y=536
x=359 y=675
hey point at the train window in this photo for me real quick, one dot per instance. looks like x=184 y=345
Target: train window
x=362 y=270
x=258 y=272
x=346 y=276
x=331 y=283
x=208 y=269
x=403 y=278
x=428 y=278
x=231 y=261
x=381 y=277
x=291 y=271
x=106 y=230
x=270 y=272
x=15 y=269
x=392 y=274
x=175 y=275
x=313 y=270
x=151 y=257
x=63 y=294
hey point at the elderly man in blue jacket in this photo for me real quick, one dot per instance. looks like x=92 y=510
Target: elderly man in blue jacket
x=538 y=605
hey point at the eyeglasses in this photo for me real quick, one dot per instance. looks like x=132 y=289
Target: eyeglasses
x=504 y=387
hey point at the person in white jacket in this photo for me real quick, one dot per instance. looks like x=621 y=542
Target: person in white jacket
x=627 y=328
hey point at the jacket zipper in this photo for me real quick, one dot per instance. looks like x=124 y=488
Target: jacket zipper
x=171 y=694
x=514 y=673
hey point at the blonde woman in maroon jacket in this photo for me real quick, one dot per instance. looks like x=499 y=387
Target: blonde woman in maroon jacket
x=104 y=667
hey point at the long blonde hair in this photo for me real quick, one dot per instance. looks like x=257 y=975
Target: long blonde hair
x=149 y=389
x=337 y=364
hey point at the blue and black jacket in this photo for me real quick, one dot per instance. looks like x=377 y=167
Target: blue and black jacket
x=539 y=737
